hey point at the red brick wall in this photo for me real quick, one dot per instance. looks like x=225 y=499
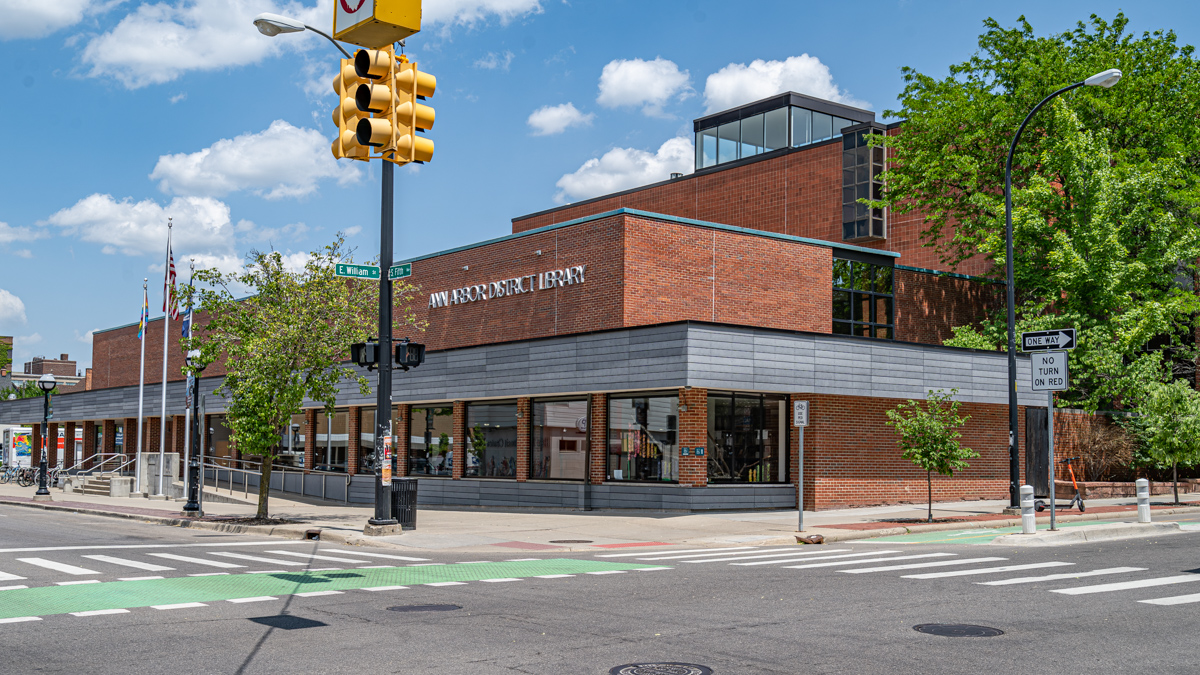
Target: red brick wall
x=693 y=433
x=116 y=355
x=460 y=440
x=69 y=458
x=524 y=407
x=310 y=438
x=89 y=441
x=353 y=424
x=403 y=433
x=598 y=441
x=928 y=306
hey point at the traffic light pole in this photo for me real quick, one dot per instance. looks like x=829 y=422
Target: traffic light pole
x=383 y=393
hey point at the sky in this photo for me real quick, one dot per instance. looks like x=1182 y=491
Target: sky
x=120 y=113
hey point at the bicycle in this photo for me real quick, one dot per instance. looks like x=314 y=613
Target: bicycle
x=26 y=477
x=1040 y=505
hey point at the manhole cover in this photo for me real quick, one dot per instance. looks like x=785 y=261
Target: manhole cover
x=570 y=541
x=660 y=669
x=424 y=608
x=288 y=622
x=957 y=630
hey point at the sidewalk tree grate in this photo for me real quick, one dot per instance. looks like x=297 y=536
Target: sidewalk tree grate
x=661 y=669
x=957 y=630
x=424 y=608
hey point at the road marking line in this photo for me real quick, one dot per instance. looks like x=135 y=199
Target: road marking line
x=5 y=576
x=496 y=581
x=553 y=576
x=100 y=612
x=791 y=553
x=18 y=619
x=137 y=578
x=425 y=565
x=315 y=594
x=260 y=598
x=377 y=555
x=819 y=557
x=128 y=546
x=375 y=567
x=1126 y=585
x=182 y=605
x=386 y=588
x=607 y=572
x=523 y=559
x=1176 y=600
x=241 y=556
x=1059 y=577
x=691 y=550
x=446 y=583
x=324 y=569
x=76 y=583
x=473 y=562
x=942 y=563
x=871 y=560
x=210 y=574
x=57 y=566
x=12 y=588
x=268 y=571
x=198 y=561
x=652 y=569
x=149 y=567
x=314 y=556
x=986 y=570
x=716 y=554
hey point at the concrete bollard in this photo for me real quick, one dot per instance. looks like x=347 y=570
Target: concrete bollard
x=1028 y=519
x=1143 y=497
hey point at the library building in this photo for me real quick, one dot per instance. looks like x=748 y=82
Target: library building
x=644 y=349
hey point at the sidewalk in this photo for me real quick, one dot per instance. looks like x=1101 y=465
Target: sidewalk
x=480 y=530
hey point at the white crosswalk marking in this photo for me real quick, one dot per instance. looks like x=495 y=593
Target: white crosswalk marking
x=498 y=581
x=198 y=561
x=987 y=570
x=242 y=556
x=1059 y=577
x=181 y=605
x=261 y=598
x=386 y=588
x=871 y=560
x=942 y=563
x=314 y=556
x=553 y=576
x=1126 y=585
x=790 y=553
x=812 y=557
x=447 y=583
x=691 y=550
x=19 y=619
x=100 y=612
x=149 y=567
x=5 y=576
x=1177 y=600
x=57 y=566
x=719 y=554
x=381 y=555
x=316 y=594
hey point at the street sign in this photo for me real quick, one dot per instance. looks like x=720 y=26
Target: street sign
x=356 y=271
x=1045 y=340
x=399 y=271
x=1049 y=371
x=375 y=23
x=800 y=413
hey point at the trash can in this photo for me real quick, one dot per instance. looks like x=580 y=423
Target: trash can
x=404 y=502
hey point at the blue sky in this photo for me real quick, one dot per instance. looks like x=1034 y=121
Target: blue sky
x=120 y=113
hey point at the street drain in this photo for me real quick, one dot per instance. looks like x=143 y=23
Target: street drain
x=570 y=541
x=957 y=630
x=424 y=608
x=661 y=669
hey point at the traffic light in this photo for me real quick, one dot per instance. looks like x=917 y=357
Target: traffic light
x=409 y=354
x=391 y=91
x=365 y=354
x=346 y=115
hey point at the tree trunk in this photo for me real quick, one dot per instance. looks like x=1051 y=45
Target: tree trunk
x=929 y=482
x=1175 y=480
x=264 y=486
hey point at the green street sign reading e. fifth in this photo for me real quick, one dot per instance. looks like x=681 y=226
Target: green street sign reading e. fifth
x=399 y=271
x=356 y=271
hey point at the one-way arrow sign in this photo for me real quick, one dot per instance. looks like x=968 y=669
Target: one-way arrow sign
x=1044 y=340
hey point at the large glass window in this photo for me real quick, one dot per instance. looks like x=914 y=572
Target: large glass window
x=333 y=441
x=752 y=136
x=492 y=440
x=291 y=443
x=559 y=440
x=765 y=132
x=643 y=438
x=706 y=148
x=219 y=445
x=728 y=138
x=775 y=129
x=431 y=441
x=822 y=126
x=861 y=168
x=862 y=299
x=747 y=438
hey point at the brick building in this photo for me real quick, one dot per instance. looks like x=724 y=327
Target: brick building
x=644 y=349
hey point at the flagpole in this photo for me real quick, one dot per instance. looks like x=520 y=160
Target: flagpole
x=141 y=385
x=187 y=436
x=162 y=424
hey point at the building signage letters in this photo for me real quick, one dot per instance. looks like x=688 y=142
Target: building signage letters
x=529 y=283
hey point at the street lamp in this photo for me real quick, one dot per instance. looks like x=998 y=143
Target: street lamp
x=1104 y=79
x=46 y=383
x=273 y=24
x=192 y=507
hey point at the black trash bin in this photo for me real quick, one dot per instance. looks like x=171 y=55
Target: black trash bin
x=404 y=502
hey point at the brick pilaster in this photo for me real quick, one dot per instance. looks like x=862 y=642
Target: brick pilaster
x=310 y=438
x=69 y=458
x=354 y=440
x=403 y=434
x=598 y=439
x=89 y=442
x=129 y=441
x=150 y=433
x=693 y=433
x=179 y=432
x=52 y=444
x=460 y=440
x=524 y=407
x=109 y=441
x=35 y=455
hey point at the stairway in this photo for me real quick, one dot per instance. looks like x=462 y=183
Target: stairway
x=100 y=484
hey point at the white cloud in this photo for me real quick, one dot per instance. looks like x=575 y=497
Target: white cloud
x=471 y=12
x=555 y=119
x=23 y=253
x=85 y=338
x=282 y=161
x=353 y=230
x=624 y=168
x=12 y=310
x=157 y=43
x=494 y=61
x=202 y=225
x=649 y=84
x=24 y=19
x=180 y=97
x=9 y=234
x=738 y=83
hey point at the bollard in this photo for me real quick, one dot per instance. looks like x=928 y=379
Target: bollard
x=1143 y=496
x=1028 y=519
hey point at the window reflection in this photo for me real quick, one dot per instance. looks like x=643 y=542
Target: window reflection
x=559 y=441
x=643 y=438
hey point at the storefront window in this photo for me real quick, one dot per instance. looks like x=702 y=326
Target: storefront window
x=333 y=441
x=431 y=441
x=643 y=438
x=291 y=443
x=559 y=440
x=492 y=440
x=862 y=299
x=747 y=438
x=219 y=445
x=366 y=439
x=119 y=439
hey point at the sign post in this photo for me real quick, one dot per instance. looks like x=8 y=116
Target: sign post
x=800 y=420
x=1049 y=373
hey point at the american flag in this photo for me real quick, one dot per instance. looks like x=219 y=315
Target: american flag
x=170 y=302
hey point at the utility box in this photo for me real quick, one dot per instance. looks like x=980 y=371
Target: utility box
x=375 y=23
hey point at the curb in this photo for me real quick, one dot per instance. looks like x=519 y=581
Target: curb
x=1087 y=534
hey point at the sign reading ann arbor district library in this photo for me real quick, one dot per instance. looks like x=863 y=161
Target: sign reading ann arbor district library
x=1045 y=340
x=1049 y=371
x=568 y=276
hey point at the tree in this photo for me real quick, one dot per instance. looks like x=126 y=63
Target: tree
x=1168 y=425
x=284 y=343
x=24 y=389
x=929 y=436
x=1106 y=211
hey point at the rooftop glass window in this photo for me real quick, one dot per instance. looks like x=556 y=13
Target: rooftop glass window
x=861 y=168
x=782 y=127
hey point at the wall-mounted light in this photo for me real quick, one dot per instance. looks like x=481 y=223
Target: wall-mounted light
x=466 y=267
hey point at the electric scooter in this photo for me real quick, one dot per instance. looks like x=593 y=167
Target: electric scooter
x=1040 y=505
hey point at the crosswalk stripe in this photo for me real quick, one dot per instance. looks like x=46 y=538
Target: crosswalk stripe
x=1126 y=585
x=198 y=561
x=941 y=563
x=12 y=588
x=136 y=578
x=607 y=572
x=181 y=605
x=1176 y=600
x=381 y=555
x=871 y=560
x=497 y=581
x=18 y=619
x=314 y=556
x=149 y=567
x=386 y=588
x=317 y=594
x=553 y=576
x=447 y=583
x=986 y=570
x=260 y=598
x=717 y=554
x=791 y=553
x=819 y=557
x=5 y=576
x=57 y=566
x=691 y=550
x=1059 y=577
x=242 y=556
x=100 y=612
x=74 y=583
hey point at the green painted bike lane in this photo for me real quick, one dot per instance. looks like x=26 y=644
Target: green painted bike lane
x=48 y=600
x=975 y=536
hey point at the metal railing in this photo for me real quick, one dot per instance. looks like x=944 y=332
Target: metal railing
x=281 y=471
x=113 y=456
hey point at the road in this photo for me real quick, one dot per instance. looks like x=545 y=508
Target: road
x=100 y=595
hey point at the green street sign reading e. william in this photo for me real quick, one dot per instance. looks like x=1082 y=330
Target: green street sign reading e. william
x=356 y=271
x=399 y=271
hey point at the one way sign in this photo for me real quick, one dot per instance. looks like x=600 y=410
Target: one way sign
x=1044 y=340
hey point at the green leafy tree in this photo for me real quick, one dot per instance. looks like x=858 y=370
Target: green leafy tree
x=1168 y=425
x=284 y=343
x=24 y=389
x=929 y=436
x=1106 y=210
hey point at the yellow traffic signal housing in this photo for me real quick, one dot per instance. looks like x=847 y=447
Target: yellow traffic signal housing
x=346 y=114
x=369 y=23
x=390 y=91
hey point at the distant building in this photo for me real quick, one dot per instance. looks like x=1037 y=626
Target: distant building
x=63 y=369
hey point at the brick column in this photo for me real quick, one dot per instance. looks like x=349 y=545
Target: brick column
x=598 y=440
x=403 y=433
x=109 y=442
x=179 y=432
x=69 y=458
x=129 y=441
x=35 y=456
x=151 y=429
x=52 y=444
x=460 y=440
x=354 y=440
x=310 y=438
x=693 y=433
x=89 y=442
x=524 y=406
x=811 y=433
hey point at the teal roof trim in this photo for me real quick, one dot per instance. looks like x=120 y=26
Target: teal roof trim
x=955 y=275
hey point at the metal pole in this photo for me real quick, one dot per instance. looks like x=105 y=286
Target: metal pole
x=383 y=393
x=800 y=482
x=137 y=474
x=42 y=491
x=194 y=468
x=1050 y=437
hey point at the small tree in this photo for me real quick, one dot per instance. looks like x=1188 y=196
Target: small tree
x=929 y=436
x=1168 y=425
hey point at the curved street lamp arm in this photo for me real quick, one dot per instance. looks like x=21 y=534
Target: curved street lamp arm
x=342 y=49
